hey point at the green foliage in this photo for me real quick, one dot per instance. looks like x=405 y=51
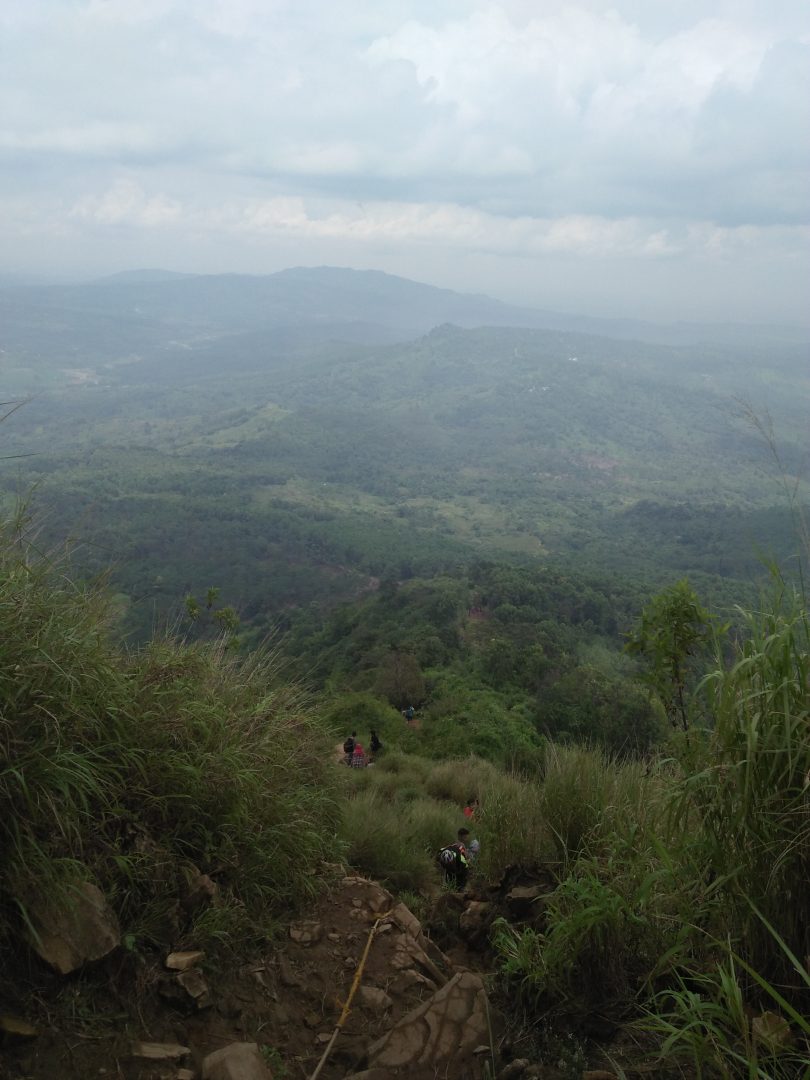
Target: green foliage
x=672 y=630
x=747 y=783
x=705 y=1022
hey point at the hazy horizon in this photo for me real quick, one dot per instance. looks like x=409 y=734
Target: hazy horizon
x=641 y=161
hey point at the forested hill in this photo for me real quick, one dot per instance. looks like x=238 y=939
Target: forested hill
x=155 y=310
x=184 y=443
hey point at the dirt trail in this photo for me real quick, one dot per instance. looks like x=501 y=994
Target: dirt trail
x=420 y=1011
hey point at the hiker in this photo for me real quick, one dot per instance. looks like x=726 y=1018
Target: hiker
x=471 y=807
x=348 y=747
x=374 y=744
x=358 y=756
x=409 y=713
x=454 y=861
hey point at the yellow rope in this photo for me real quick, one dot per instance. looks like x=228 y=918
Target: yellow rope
x=358 y=975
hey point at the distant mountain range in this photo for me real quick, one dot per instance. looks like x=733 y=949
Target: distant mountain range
x=322 y=303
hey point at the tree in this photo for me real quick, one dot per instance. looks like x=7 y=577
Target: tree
x=400 y=679
x=672 y=629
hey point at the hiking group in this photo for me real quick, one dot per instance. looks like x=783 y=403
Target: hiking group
x=455 y=859
x=355 y=755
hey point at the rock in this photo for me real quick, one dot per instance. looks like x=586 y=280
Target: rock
x=411 y=978
x=375 y=999
x=194 y=984
x=475 y=921
x=200 y=892
x=13 y=1029
x=446 y=1027
x=238 y=1061
x=373 y=896
x=526 y=900
x=514 y=1069
x=406 y=920
x=771 y=1030
x=306 y=933
x=75 y=930
x=184 y=1074
x=333 y=937
x=160 y=1051
x=182 y=961
x=408 y=952
x=287 y=973
x=313 y=1019
x=229 y=1007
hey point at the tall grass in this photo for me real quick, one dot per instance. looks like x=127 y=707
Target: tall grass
x=139 y=770
x=589 y=797
x=750 y=787
x=397 y=842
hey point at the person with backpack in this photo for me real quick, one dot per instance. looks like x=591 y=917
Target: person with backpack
x=348 y=747
x=455 y=862
x=374 y=744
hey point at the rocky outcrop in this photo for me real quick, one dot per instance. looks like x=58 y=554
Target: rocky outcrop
x=446 y=1027
x=72 y=931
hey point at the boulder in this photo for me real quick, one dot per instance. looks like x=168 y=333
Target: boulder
x=447 y=1027
x=238 y=1061
x=78 y=928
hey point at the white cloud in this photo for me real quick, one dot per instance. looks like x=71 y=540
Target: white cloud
x=126 y=203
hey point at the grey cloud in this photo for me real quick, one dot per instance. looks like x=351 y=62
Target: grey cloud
x=179 y=118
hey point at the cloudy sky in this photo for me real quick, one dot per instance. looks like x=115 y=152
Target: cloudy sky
x=633 y=158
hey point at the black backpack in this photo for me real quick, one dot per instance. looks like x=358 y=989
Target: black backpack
x=348 y=746
x=449 y=857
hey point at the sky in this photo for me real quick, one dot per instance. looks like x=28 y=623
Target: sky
x=635 y=158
